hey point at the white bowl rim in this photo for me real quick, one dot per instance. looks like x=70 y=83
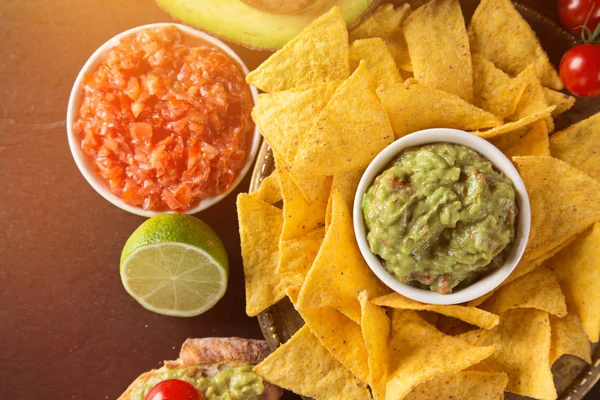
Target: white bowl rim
x=83 y=163
x=499 y=161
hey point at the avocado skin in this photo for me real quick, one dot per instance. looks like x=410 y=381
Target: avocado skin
x=199 y=14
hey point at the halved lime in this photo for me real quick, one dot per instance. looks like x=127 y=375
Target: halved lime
x=175 y=264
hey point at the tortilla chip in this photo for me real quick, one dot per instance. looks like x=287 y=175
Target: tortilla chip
x=493 y=90
x=533 y=99
x=524 y=339
x=350 y=131
x=418 y=352
x=499 y=33
x=269 y=190
x=578 y=270
x=284 y=118
x=538 y=289
x=452 y=326
x=375 y=327
x=344 y=186
x=378 y=60
x=319 y=54
x=568 y=337
x=399 y=50
x=579 y=145
x=463 y=385
x=564 y=202
x=562 y=101
x=471 y=315
x=438 y=45
x=305 y=367
x=339 y=273
x=260 y=227
x=297 y=256
x=414 y=107
x=300 y=217
x=512 y=126
x=531 y=140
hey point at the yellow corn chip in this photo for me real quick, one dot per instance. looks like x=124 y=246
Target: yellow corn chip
x=564 y=202
x=578 y=270
x=512 y=126
x=563 y=102
x=297 y=256
x=533 y=99
x=463 y=385
x=344 y=186
x=375 y=327
x=284 y=118
x=524 y=339
x=499 y=33
x=269 y=190
x=471 y=315
x=350 y=131
x=531 y=140
x=452 y=326
x=399 y=50
x=305 y=367
x=438 y=45
x=260 y=227
x=339 y=273
x=414 y=107
x=493 y=90
x=319 y=54
x=418 y=352
x=568 y=337
x=300 y=217
x=538 y=289
x=579 y=145
x=378 y=60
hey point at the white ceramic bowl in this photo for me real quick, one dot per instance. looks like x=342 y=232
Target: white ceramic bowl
x=85 y=164
x=500 y=162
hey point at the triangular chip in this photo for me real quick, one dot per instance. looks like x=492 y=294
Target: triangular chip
x=538 y=289
x=578 y=270
x=339 y=273
x=579 y=145
x=493 y=90
x=524 y=339
x=378 y=60
x=269 y=190
x=562 y=101
x=512 y=126
x=531 y=140
x=350 y=131
x=297 y=256
x=564 y=202
x=471 y=315
x=284 y=118
x=318 y=54
x=533 y=99
x=382 y=23
x=260 y=227
x=414 y=107
x=418 y=352
x=568 y=337
x=499 y=33
x=305 y=367
x=438 y=45
x=300 y=217
x=463 y=385
x=375 y=327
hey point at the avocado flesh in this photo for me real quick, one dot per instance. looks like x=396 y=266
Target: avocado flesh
x=236 y=21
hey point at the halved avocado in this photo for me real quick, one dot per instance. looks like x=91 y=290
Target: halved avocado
x=255 y=27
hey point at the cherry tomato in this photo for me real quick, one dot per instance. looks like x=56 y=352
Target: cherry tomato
x=573 y=14
x=580 y=70
x=174 y=389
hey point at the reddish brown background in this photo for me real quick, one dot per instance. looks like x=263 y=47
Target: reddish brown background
x=68 y=330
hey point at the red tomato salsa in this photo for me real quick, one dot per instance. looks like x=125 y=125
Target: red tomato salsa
x=166 y=124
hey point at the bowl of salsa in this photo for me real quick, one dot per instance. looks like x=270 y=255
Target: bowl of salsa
x=441 y=216
x=159 y=120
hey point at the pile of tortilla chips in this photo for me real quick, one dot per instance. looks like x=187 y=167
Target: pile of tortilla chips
x=332 y=101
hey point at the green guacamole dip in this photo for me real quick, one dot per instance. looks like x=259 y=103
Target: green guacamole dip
x=238 y=383
x=440 y=216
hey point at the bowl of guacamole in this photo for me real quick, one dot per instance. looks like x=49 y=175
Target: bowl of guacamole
x=441 y=216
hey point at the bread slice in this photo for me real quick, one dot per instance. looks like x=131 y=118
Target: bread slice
x=212 y=355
